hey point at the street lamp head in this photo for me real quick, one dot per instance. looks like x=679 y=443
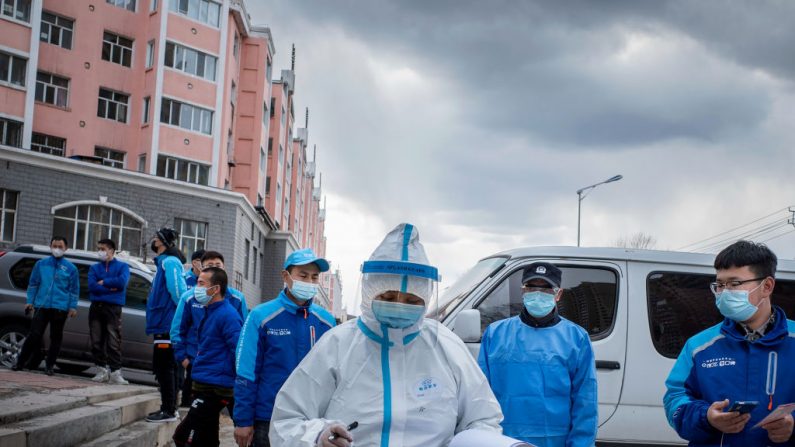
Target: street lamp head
x=614 y=178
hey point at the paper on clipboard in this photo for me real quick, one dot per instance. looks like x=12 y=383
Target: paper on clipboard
x=483 y=438
x=780 y=411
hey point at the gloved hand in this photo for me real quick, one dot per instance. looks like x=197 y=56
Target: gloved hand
x=343 y=437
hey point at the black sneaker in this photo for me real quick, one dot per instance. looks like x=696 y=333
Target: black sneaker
x=17 y=367
x=162 y=416
x=49 y=370
x=153 y=413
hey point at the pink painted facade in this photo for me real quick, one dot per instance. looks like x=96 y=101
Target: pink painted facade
x=150 y=86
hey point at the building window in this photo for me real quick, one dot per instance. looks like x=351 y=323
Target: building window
x=10 y=132
x=236 y=45
x=267 y=186
x=142 y=163
x=150 y=53
x=260 y=200
x=247 y=259
x=145 y=110
x=270 y=146
x=153 y=6
x=112 y=105
x=281 y=154
x=126 y=4
x=268 y=69
x=190 y=61
x=262 y=160
x=85 y=225
x=117 y=49
x=56 y=30
x=192 y=235
x=284 y=116
x=183 y=170
x=12 y=69
x=17 y=9
x=52 y=89
x=204 y=11
x=110 y=157
x=48 y=144
x=8 y=214
x=255 y=255
x=186 y=116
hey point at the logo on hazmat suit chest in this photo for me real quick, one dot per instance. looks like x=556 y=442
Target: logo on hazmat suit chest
x=719 y=362
x=277 y=331
x=427 y=388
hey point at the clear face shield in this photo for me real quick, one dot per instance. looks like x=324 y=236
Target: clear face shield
x=398 y=294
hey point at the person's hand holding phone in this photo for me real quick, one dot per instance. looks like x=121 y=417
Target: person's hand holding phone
x=724 y=421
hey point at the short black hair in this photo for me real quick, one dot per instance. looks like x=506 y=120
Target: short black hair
x=59 y=238
x=217 y=278
x=197 y=255
x=212 y=255
x=760 y=259
x=108 y=242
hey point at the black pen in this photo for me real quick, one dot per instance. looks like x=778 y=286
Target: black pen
x=353 y=425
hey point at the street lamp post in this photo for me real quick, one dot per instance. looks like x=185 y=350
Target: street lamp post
x=580 y=196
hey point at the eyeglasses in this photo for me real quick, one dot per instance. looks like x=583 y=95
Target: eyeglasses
x=718 y=286
x=552 y=290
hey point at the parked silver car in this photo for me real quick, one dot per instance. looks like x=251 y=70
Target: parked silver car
x=15 y=270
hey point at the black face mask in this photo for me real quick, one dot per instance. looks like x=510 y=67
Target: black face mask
x=153 y=247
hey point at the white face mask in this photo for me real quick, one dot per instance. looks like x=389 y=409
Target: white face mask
x=57 y=252
x=103 y=255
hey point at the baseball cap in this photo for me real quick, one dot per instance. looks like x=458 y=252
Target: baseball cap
x=542 y=270
x=306 y=256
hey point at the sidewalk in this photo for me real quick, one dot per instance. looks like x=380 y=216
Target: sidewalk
x=30 y=400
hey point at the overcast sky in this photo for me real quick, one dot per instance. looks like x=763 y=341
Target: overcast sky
x=477 y=121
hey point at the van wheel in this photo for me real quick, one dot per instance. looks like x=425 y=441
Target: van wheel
x=11 y=338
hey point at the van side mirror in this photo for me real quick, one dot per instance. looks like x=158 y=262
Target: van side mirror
x=467 y=325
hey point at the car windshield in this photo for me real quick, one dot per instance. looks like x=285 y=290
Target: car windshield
x=453 y=295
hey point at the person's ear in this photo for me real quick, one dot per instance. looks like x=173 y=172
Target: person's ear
x=558 y=295
x=768 y=285
x=286 y=277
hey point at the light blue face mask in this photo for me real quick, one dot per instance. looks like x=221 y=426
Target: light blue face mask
x=538 y=304
x=734 y=304
x=200 y=293
x=397 y=315
x=303 y=291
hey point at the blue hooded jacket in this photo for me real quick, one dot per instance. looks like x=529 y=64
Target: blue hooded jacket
x=545 y=381
x=114 y=275
x=719 y=363
x=167 y=288
x=275 y=338
x=185 y=327
x=190 y=279
x=54 y=284
x=218 y=334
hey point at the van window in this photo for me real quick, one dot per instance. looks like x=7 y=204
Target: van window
x=452 y=296
x=20 y=272
x=681 y=305
x=589 y=299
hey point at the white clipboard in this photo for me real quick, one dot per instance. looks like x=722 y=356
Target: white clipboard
x=485 y=438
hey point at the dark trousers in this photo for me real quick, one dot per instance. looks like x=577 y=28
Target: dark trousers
x=261 y=429
x=104 y=323
x=41 y=318
x=165 y=370
x=187 y=386
x=200 y=426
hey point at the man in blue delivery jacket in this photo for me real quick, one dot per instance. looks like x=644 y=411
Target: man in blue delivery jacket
x=167 y=288
x=750 y=356
x=214 y=368
x=53 y=289
x=185 y=327
x=541 y=367
x=275 y=338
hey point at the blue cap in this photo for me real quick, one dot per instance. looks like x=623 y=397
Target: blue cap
x=304 y=257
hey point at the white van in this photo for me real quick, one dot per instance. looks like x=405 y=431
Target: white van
x=639 y=307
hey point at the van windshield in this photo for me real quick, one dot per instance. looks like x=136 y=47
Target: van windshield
x=450 y=297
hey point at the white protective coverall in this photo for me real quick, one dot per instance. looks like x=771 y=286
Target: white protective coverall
x=417 y=386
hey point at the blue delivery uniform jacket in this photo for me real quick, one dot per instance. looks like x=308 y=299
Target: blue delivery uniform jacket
x=275 y=338
x=189 y=313
x=719 y=363
x=54 y=284
x=219 y=330
x=114 y=276
x=190 y=279
x=544 y=379
x=167 y=288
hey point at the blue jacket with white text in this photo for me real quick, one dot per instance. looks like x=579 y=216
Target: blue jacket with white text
x=719 y=363
x=54 y=283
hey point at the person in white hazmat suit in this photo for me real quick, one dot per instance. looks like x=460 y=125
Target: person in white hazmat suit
x=404 y=380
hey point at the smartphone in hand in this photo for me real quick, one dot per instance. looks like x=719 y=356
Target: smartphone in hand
x=743 y=406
